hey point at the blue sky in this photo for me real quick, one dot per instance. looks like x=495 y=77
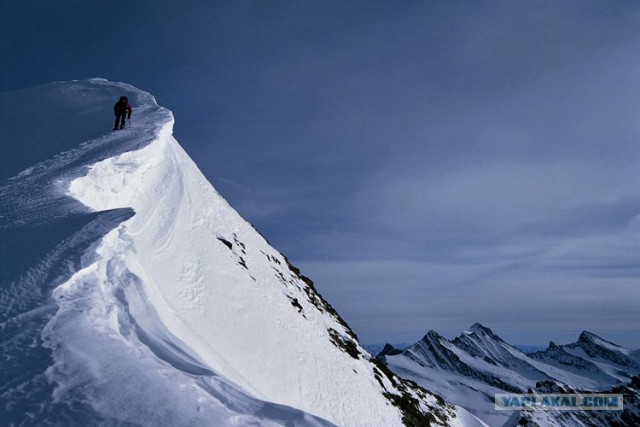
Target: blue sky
x=429 y=164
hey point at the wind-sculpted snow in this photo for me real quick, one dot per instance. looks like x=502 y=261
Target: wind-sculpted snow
x=44 y=235
x=72 y=351
x=133 y=294
x=111 y=350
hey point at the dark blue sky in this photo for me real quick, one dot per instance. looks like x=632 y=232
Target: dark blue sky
x=429 y=164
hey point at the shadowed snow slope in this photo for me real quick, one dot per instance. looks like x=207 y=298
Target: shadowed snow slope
x=133 y=294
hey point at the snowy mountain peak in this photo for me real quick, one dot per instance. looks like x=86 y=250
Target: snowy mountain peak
x=144 y=278
x=589 y=340
x=479 y=328
x=598 y=348
x=432 y=336
x=388 y=349
x=483 y=331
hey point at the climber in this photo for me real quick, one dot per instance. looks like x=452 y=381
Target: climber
x=122 y=109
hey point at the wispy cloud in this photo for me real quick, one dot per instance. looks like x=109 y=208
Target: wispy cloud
x=430 y=164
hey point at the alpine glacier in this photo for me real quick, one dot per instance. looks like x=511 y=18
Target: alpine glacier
x=133 y=294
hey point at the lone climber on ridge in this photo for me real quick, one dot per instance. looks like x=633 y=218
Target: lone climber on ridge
x=122 y=109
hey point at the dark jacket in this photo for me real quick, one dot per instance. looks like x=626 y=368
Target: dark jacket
x=122 y=107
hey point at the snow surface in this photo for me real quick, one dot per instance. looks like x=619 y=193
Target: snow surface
x=152 y=302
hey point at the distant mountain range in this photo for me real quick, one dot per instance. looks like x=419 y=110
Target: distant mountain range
x=470 y=369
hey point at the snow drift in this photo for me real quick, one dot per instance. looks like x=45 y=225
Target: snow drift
x=133 y=294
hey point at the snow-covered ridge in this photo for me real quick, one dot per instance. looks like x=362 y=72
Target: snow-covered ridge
x=213 y=281
x=178 y=303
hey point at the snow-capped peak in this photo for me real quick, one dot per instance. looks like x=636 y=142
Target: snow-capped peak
x=589 y=340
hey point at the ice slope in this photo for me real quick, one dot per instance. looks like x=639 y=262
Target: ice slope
x=150 y=300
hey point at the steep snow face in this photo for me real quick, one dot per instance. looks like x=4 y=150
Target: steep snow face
x=171 y=309
x=217 y=285
x=79 y=342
